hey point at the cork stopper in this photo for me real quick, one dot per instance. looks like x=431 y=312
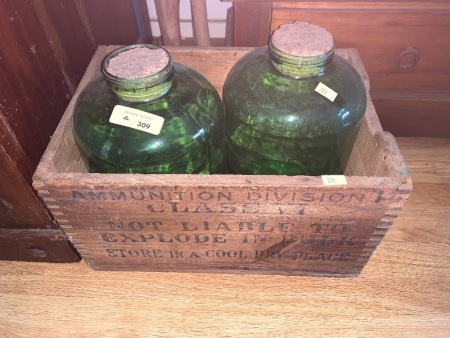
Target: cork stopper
x=302 y=39
x=138 y=62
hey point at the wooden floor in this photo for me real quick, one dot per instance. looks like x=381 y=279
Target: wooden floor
x=404 y=291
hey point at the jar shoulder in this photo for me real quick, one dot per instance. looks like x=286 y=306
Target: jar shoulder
x=256 y=91
x=191 y=110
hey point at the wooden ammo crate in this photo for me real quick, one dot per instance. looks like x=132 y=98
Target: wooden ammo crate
x=294 y=225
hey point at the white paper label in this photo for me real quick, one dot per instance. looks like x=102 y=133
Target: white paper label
x=326 y=91
x=334 y=180
x=136 y=119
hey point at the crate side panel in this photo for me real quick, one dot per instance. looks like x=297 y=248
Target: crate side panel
x=309 y=231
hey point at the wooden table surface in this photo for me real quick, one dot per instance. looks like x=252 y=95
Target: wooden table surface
x=404 y=290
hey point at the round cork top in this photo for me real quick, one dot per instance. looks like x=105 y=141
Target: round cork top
x=139 y=62
x=302 y=39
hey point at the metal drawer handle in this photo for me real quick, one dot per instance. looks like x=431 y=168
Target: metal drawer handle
x=409 y=54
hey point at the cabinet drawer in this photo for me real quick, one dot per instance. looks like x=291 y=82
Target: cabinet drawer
x=413 y=115
x=404 y=46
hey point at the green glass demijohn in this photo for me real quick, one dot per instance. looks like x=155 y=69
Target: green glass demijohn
x=146 y=114
x=292 y=107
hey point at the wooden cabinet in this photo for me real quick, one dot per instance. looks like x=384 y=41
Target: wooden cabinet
x=404 y=45
x=45 y=48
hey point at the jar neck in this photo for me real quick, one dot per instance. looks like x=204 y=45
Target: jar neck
x=299 y=66
x=141 y=89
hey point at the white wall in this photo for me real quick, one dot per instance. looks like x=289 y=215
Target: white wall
x=217 y=12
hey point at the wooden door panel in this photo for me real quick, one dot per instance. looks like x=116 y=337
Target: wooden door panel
x=45 y=48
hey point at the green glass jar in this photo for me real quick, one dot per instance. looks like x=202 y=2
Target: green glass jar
x=147 y=114
x=292 y=107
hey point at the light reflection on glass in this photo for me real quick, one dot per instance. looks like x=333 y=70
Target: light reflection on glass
x=291 y=118
x=344 y=114
x=200 y=133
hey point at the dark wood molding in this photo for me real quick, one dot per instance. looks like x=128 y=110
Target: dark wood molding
x=36 y=246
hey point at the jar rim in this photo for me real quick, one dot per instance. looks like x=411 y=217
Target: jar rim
x=301 y=61
x=160 y=75
x=143 y=88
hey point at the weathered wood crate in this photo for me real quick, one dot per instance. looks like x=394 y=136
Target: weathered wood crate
x=226 y=223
